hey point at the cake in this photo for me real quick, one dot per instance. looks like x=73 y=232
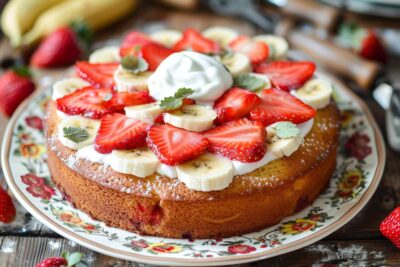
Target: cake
x=192 y=135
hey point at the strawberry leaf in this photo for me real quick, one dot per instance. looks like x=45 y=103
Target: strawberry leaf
x=134 y=64
x=75 y=134
x=248 y=82
x=176 y=101
x=286 y=129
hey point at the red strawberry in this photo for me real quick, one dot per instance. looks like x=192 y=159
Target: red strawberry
x=278 y=105
x=98 y=74
x=53 y=262
x=242 y=140
x=87 y=101
x=35 y=122
x=60 y=48
x=119 y=100
x=287 y=75
x=390 y=227
x=154 y=54
x=118 y=131
x=174 y=145
x=235 y=103
x=14 y=88
x=371 y=47
x=257 y=51
x=132 y=43
x=194 y=40
x=7 y=209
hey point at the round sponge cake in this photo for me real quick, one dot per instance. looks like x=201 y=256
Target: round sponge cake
x=161 y=206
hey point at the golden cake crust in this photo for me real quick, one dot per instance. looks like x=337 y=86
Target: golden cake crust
x=158 y=205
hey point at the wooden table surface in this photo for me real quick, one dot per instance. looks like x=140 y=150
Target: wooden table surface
x=26 y=241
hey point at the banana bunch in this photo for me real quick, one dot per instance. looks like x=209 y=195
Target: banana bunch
x=25 y=22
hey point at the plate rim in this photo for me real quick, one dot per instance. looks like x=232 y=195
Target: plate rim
x=223 y=260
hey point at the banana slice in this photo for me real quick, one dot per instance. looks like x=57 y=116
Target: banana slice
x=106 y=54
x=90 y=126
x=146 y=112
x=278 y=46
x=221 y=35
x=206 y=173
x=67 y=86
x=280 y=146
x=140 y=162
x=237 y=63
x=194 y=118
x=126 y=80
x=316 y=93
x=166 y=37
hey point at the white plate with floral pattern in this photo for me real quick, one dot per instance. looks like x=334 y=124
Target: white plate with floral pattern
x=360 y=165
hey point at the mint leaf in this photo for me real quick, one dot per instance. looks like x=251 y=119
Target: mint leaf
x=75 y=134
x=134 y=64
x=176 y=101
x=286 y=129
x=74 y=258
x=249 y=82
x=183 y=92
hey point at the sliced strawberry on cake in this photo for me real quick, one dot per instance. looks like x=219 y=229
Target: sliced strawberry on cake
x=98 y=74
x=287 y=75
x=193 y=40
x=132 y=43
x=154 y=54
x=87 y=101
x=278 y=105
x=118 y=131
x=257 y=51
x=241 y=140
x=173 y=146
x=235 y=103
x=119 y=100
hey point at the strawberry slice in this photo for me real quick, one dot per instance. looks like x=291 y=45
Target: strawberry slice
x=174 y=145
x=154 y=54
x=235 y=103
x=241 y=140
x=98 y=74
x=192 y=39
x=118 y=131
x=87 y=101
x=257 y=51
x=119 y=100
x=278 y=105
x=287 y=75
x=132 y=43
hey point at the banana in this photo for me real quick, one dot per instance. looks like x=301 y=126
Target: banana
x=126 y=80
x=90 y=126
x=206 y=173
x=316 y=93
x=278 y=46
x=95 y=13
x=146 y=112
x=237 y=63
x=140 y=162
x=221 y=35
x=166 y=37
x=107 y=54
x=194 y=118
x=67 y=86
x=279 y=146
x=19 y=16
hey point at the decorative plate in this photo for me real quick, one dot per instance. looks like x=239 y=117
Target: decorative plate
x=360 y=165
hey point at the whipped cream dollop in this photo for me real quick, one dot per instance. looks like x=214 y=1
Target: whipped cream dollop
x=204 y=74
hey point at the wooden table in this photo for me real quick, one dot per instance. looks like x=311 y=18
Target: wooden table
x=359 y=243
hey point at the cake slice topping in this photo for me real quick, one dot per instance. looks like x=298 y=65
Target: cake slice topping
x=241 y=140
x=278 y=105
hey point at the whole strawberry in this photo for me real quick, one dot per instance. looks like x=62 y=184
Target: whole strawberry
x=66 y=260
x=7 y=209
x=390 y=227
x=60 y=48
x=15 y=86
x=371 y=47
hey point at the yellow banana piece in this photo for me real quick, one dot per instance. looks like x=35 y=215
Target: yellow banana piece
x=19 y=15
x=96 y=13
